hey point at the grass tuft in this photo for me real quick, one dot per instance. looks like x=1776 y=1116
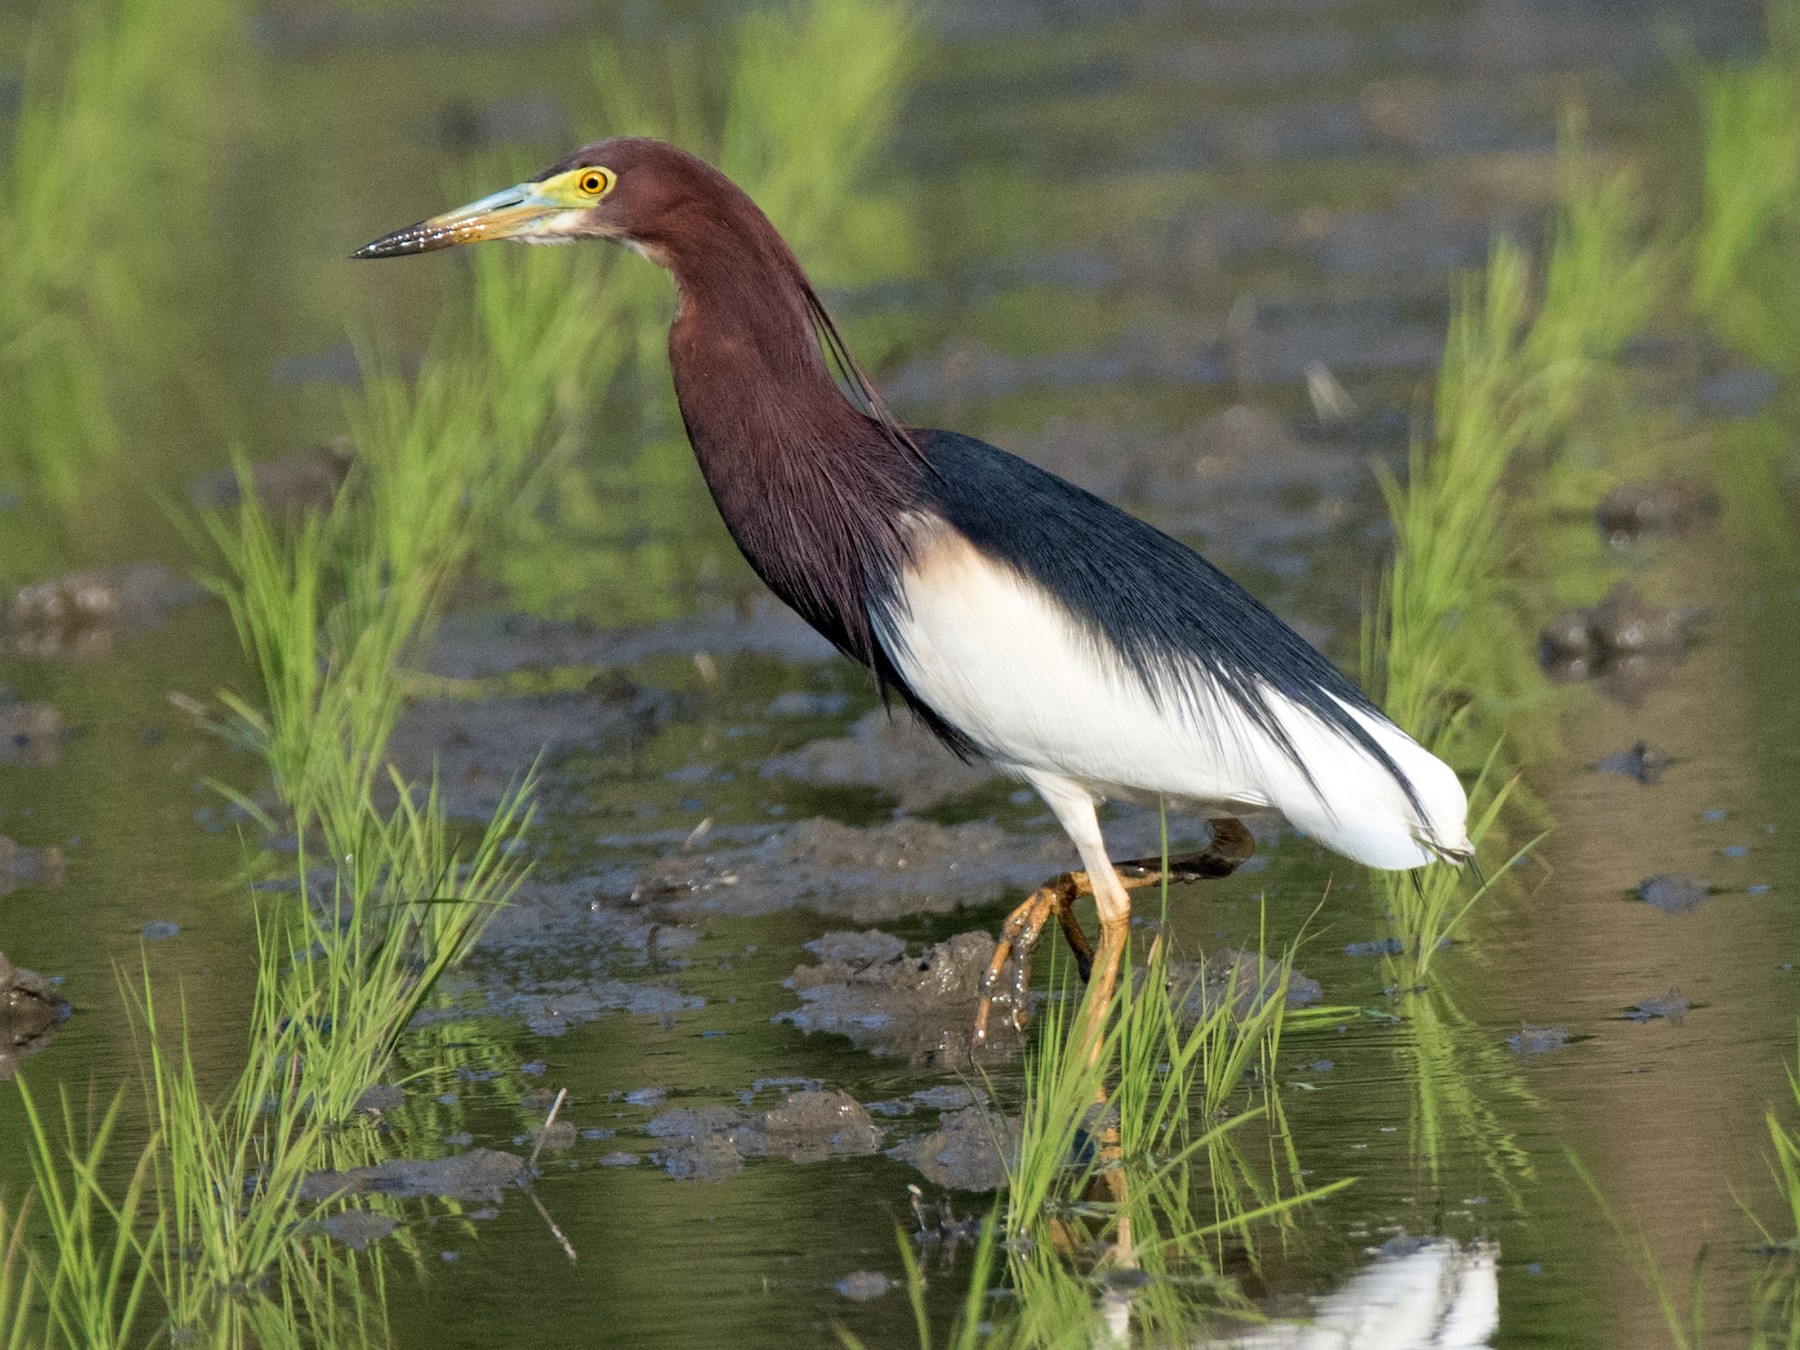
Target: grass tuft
x=94 y=1289
x=1445 y=644
x=82 y=252
x=1746 y=251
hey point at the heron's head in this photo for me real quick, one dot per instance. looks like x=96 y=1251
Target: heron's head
x=634 y=191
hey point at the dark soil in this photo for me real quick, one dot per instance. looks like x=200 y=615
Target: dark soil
x=30 y=1010
x=1673 y=893
x=78 y=616
x=21 y=867
x=481 y=1174
x=969 y=1151
x=917 y=1006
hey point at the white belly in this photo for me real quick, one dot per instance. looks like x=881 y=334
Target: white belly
x=1003 y=662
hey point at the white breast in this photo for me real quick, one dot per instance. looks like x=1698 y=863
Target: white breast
x=1002 y=661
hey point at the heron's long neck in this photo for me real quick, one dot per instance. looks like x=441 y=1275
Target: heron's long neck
x=810 y=487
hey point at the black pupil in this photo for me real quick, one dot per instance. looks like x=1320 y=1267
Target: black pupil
x=591 y=182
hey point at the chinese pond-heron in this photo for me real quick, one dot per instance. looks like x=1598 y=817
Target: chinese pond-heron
x=1025 y=621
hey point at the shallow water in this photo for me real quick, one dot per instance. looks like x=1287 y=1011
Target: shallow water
x=1137 y=218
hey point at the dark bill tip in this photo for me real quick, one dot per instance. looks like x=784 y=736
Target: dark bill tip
x=420 y=238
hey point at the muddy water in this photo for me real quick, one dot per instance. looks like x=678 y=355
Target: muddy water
x=1144 y=227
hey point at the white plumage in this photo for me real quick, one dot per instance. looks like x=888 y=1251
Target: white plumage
x=999 y=659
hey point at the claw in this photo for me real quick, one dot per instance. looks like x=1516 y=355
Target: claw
x=1231 y=845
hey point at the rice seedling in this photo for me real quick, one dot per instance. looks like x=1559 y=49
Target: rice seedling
x=1784 y=1166
x=84 y=261
x=18 y=1278
x=1745 y=249
x=1775 y=1310
x=94 y=1290
x=1445 y=639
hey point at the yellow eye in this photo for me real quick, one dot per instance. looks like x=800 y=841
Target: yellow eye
x=593 y=182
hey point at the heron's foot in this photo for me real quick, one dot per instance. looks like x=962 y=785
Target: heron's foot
x=1008 y=976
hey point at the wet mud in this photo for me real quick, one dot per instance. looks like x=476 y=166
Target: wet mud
x=79 y=616
x=969 y=1151
x=482 y=1175
x=887 y=1000
x=1627 y=644
x=1671 y=1007
x=884 y=750
x=1673 y=893
x=863 y=1286
x=306 y=481
x=22 y=867
x=550 y=1007
x=358 y=1229
x=871 y=874
x=31 y=1008
x=1529 y=1040
x=1663 y=506
x=31 y=732
x=709 y=1143
x=1244 y=981
x=1641 y=762
x=868 y=874
x=483 y=748
x=471 y=647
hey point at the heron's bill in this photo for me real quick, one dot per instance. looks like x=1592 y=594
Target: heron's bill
x=524 y=211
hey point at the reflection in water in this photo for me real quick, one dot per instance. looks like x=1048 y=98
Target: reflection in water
x=1458 y=1073
x=1430 y=1294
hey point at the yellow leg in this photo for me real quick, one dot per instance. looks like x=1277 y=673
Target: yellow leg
x=1231 y=846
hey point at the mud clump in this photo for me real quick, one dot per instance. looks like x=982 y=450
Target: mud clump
x=1247 y=980
x=1671 y=1007
x=30 y=1011
x=1621 y=624
x=1625 y=640
x=358 y=1229
x=710 y=1143
x=305 y=481
x=31 y=733
x=554 y=1136
x=551 y=1007
x=1673 y=893
x=863 y=1286
x=1655 y=507
x=1641 y=762
x=866 y=986
x=709 y=1158
x=77 y=616
x=969 y=1151
x=893 y=754
x=1529 y=1040
x=480 y=1175
x=21 y=866
x=870 y=874
x=481 y=748
x=810 y=1127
